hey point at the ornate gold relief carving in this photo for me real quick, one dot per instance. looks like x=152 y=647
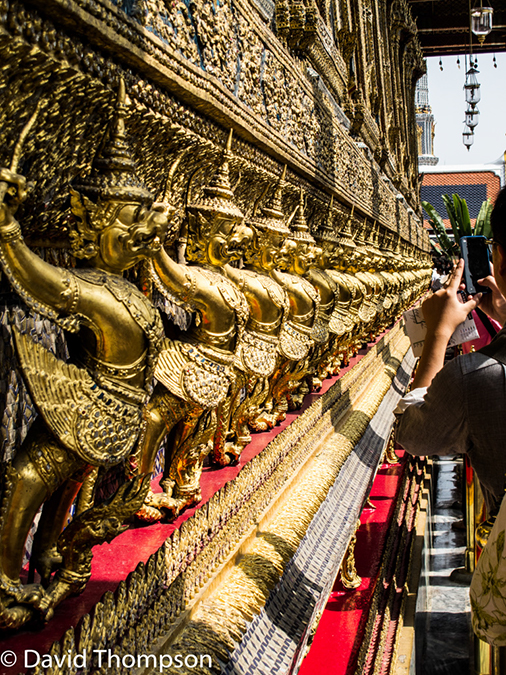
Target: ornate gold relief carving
x=278 y=99
x=92 y=406
x=242 y=343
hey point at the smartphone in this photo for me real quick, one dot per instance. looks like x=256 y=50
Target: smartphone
x=476 y=256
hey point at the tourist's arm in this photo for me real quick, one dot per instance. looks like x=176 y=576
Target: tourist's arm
x=434 y=421
x=443 y=312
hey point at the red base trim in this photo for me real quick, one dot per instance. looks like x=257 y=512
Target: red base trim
x=341 y=630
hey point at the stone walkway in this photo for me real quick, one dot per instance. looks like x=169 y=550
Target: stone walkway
x=443 y=625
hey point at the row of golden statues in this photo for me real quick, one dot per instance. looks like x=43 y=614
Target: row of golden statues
x=274 y=312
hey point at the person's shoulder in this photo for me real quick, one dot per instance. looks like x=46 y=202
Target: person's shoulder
x=477 y=364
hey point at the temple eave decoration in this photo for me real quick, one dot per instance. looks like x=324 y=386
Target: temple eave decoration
x=207 y=210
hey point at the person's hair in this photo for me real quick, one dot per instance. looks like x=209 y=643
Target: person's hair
x=442 y=264
x=498 y=218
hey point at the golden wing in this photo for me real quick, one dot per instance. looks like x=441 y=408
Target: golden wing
x=86 y=418
x=190 y=375
x=170 y=365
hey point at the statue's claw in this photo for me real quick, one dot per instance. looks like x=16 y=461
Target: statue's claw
x=151 y=510
x=19 y=603
x=14 y=616
x=31 y=594
x=46 y=607
x=65 y=583
x=233 y=452
x=264 y=421
x=14 y=591
x=47 y=562
x=149 y=514
x=163 y=504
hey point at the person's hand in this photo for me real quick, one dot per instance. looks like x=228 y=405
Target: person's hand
x=444 y=311
x=494 y=303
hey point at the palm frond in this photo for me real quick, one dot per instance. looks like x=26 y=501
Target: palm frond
x=439 y=228
x=482 y=226
x=465 y=220
x=452 y=215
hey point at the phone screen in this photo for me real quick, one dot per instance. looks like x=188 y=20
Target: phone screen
x=476 y=256
x=479 y=265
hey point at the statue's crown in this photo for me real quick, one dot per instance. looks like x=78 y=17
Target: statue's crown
x=218 y=196
x=346 y=234
x=300 y=228
x=112 y=176
x=273 y=219
x=326 y=233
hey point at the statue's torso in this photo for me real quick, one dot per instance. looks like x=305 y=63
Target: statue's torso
x=302 y=295
x=119 y=325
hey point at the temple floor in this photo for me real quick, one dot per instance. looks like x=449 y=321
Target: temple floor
x=346 y=626
x=443 y=619
x=443 y=635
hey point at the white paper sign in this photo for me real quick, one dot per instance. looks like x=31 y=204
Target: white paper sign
x=416 y=330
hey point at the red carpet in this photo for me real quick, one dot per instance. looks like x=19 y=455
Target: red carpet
x=340 y=633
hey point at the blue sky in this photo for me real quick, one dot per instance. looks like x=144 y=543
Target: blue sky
x=446 y=96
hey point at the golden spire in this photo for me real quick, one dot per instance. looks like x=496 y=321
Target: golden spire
x=273 y=218
x=112 y=176
x=346 y=234
x=218 y=195
x=300 y=231
x=327 y=232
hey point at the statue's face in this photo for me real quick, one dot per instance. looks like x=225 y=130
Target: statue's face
x=238 y=240
x=136 y=233
x=329 y=255
x=302 y=257
x=373 y=261
x=389 y=263
x=229 y=239
x=318 y=256
x=347 y=261
x=271 y=251
x=340 y=259
x=286 y=254
x=365 y=261
x=380 y=262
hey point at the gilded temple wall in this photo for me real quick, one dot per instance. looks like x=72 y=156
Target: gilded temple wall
x=192 y=71
x=324 y=88
x=329 y=90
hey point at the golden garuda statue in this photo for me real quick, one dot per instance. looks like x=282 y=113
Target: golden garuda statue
x=198 y=368
x=326 y=255
x=295 y=338
x=269 y=306
x=90 y=409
